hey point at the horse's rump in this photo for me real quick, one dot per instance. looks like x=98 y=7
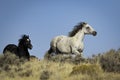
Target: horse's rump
x=11 y=48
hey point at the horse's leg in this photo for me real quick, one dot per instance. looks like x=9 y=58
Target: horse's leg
x=75 y=51
x=80 y=51
x=28 y=56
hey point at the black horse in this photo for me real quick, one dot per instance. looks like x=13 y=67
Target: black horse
x=22 y=49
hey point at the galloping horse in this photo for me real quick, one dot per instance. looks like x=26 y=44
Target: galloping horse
x=73 y=43
x=22 y=49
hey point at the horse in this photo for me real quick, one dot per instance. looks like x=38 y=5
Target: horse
x=73 y=43
x=22 y=49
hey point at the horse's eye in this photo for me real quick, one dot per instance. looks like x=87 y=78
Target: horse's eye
x=87 y=27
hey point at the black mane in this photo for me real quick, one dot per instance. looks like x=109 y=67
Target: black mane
x=23 y=38
x=22 y=41
x=76 y=29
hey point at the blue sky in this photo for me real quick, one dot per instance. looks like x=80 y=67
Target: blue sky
x=44 y=19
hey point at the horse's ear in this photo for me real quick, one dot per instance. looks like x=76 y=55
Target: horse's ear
x=83 y=23
x=23 y=35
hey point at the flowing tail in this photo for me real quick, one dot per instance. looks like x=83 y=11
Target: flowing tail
x=48 y=53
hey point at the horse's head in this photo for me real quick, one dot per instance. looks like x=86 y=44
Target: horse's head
x=88 y=29
x=25 y=41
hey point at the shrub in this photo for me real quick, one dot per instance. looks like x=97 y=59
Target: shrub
x=66 y=58
x=25 y=73
x=8 y=60
x=45 y=75
x=110 y=61
x=89 y=69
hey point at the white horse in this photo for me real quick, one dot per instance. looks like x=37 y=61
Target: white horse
x=73 y=43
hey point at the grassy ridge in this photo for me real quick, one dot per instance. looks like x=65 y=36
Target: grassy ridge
x=13 y=68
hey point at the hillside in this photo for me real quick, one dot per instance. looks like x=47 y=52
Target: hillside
x=99 y=67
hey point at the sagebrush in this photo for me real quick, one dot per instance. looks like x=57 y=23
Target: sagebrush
x=13 y=68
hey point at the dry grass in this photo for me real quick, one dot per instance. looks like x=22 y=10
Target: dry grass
x=49 y=70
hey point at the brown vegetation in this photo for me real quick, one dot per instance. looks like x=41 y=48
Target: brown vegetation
x=100 y=67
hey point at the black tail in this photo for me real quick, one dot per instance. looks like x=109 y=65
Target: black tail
x=48 y=53
x=50 y=50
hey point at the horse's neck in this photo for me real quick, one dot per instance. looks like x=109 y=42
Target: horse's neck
x=22 y=48
x=79 y=36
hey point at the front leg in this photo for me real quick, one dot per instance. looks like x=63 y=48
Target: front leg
x=80 y=51
x=75 y=51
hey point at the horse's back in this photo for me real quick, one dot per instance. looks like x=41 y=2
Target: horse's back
x=11 y=48
x=57 y=43
x=57 y=39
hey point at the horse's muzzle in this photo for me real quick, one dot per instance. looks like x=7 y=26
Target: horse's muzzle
x=94 y=33
x=30 y=47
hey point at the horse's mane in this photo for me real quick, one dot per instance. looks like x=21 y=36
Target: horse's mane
x=76 y=29
x=23 y=38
